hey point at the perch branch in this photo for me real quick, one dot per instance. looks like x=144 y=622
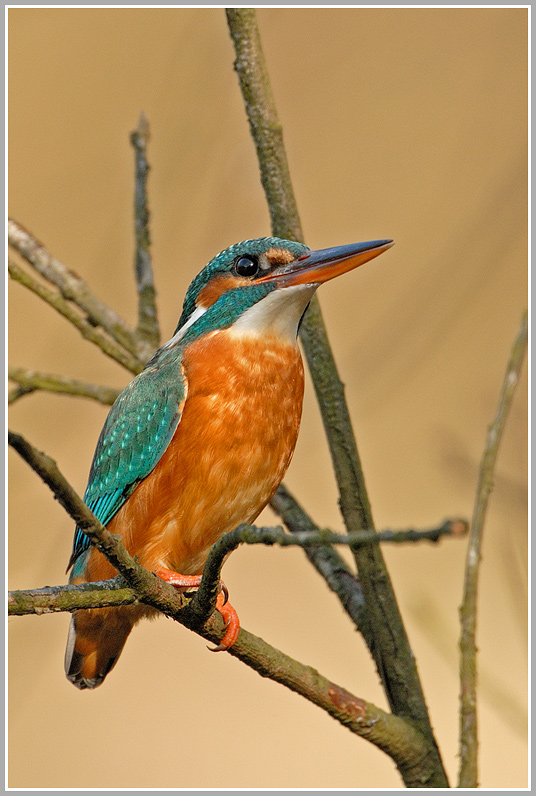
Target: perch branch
x=73 y=288
x=30 y=380
x=391 y=650
x=148 y=328
x=117 y=592
x=398 y=738
x=468 y=773
x=86 y=329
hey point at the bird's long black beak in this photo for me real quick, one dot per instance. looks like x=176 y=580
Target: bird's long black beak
x=316 y=267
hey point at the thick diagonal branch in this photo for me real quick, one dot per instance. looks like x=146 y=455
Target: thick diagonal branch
x=64 y=493
x=391 y=649
x=402 y=742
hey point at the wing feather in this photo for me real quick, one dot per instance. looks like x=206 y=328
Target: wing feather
x=137 y=431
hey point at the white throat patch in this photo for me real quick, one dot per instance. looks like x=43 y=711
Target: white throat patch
x=277 y=314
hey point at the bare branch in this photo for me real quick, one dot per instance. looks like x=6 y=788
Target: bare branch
x=391 y=650
x=18 y=392
x=266 y=129
x=31 y=380
x=397 y=737
x=392 y=734
x=147 y=328
x=73 y=288
x=468 y=773
x=86 y=329
x=203 y=602
x=52 y=599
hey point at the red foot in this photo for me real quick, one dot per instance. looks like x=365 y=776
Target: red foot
x=173 y=578
x=230 y=617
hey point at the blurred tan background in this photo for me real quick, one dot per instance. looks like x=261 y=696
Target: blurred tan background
x=399 y=123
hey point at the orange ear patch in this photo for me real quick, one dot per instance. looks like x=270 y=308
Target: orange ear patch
x=217 y=287
x=279 y=256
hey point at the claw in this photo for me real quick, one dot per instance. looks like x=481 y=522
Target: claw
x=232 y=624
x=220 y=648
x=225 y=591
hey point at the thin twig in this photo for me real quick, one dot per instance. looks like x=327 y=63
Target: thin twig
x=391 y=650
x=31 y=380
x=321 y=537
x=86 y=329
x=18 y=392
x=397 y=737
x=468 y=773
x=148 y=328
x=73 y=288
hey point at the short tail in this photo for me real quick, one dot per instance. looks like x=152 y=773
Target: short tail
x=95 y=642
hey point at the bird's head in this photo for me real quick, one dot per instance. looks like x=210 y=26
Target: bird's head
x=264 y=286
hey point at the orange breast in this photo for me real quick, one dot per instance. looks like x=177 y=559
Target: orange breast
x=229 y=454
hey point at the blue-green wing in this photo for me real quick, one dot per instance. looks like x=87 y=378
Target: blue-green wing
x=135 y=435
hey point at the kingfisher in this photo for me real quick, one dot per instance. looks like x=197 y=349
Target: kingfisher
x=200 y=440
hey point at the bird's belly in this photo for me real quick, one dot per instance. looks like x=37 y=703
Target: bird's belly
x=229 y=454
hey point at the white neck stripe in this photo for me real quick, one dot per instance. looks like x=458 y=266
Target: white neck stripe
x=179 y=334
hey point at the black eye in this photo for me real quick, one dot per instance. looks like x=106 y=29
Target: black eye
x=247 y=265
